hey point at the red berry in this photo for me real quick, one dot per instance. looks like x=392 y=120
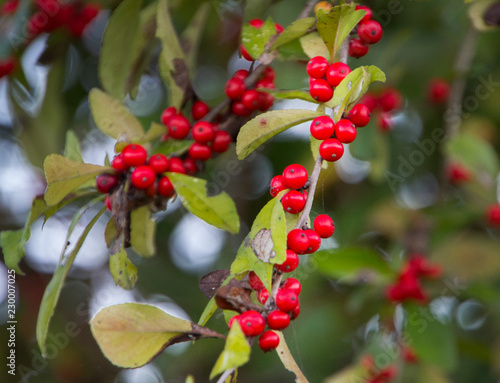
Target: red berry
x=385 y=122
x=265 y=83
x=254 y=281
x=314 y=241
x=295 y=176
x=360 y=115
x=286 y=300
x=268 y=73
x=322 y=127
x=235 y=87
x=297 y=241
x=221 y=141
x=320 y=90
x=278 y=320
x=105 y=182
x=269 y=340
x=493 y=215
x=369 y=12
x=337 y=72
x=241 y=74
x=190 y=165
x=345 y=131
x=200 y=151
x=358 y=48
x=331 y=149
x=178 y=127
x=293 y=202
x=167 y=113
x=165 y=187
x=439 y=91
x=256 y=23
x=370 y=31
x=234 y=318
x=142 y=177
x=159 y=163
x=276 y=186
x=107 y=202
x=134 y=155
x=291 y=262
x=176 y=166
x=279 y=28
x=370 y=100
x=245 y=53
x=203 y=132
x=263 y=296
x=239 y=109
x=252 y=323
x=118 y=164
x=292 y=284
x=324 y=226
x=317 y=67
x=7 y=66
x=390 y=99
x=458 y=173
x=251 y=99
x=199 y=110
x=9 y=7
x=295 y=313
x=266 y=101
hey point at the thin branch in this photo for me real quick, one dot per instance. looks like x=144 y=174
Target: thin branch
x=313 y=181
x=307 y=9
x=226 y=375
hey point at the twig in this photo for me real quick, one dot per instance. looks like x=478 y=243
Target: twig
x=226 y=375
x=313 y=181
x=307 y=9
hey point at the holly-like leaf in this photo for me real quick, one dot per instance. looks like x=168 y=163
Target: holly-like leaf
x=295 y=30
x=236 y=351
x=191 y=36
x=130 y=335
x=72 y=147
x=255 y=39
x=64 y=176
x=173 y=68
x=289 y=94
x=113 y=118
x=143 y=231
x=313 y=45
x=218 y=210
x=173 y=147
x=123 y=271
x=117 y=54
x=266 y=125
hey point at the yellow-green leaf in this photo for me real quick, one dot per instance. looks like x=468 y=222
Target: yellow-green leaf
x=143 y=231
x=288 y=361
x=295 y=30
x=313 y=45
x=255 y=39
x=72 y=147
x=123 y=271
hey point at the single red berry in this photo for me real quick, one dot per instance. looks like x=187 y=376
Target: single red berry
x=314 y=241
x=199 y=110
x=457 y=173
x=385 y=122
x=337 y=72
x=268 y=74
x=190 y=165
x=278 y=320
x=167 y=113
x=266 y=101
x=409 y=354
x=292 y=284
x=324 y=226
x=360 y=115
x=358 y=48
x=254 y=281
x=159 y=163
x=235 y=87
x=9 y=7
x=245 y=53
x=107 y=202
x=176 y=166
x=265 y=83
x=370 y=100
x=390 y=99
x=295 y=176
x=320 y=90
x=279 y=28
x=370 y=31
x=276 y=186
x=241 y=74
x=165 y=187
x=134 y=155
x=263 y=296
x=269 y=340
x=251 y=99
x=234 y=318
x=331 y=149
x=345 y=131
x=439 y=91
x=118 y=164
x=142 y=177
x=297 y=241
x=203 y=132
x=317 y=67
x=286 y=300
x=200 y=151
x=239 y=109
x=293 y=202
x=7 y=66
x=295 y=313
x=493 y=215
x=252 y=323
x=221 y=141
x=369 y=12
x=291 y=262
x=322 y=127
x=178 y=127
x=256 y=23
x=105 y=182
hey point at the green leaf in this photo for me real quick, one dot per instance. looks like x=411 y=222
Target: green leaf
x=110 y=232
x=190 y=379
x=289 y=94
x=53 y=290
x=191 y=36
x=266 y=125
x=236 y=351
x=211 y=306
x=433 y=341
x=255 y=39
x=348 y=375
x=123 y=271
x=336 y=25
x=218 y=210
x=143 y=231
x=130 y=335
x=113 y=118
x=295 y=30
x=64 y=176
x=293 y=51
x=172 y=63
x=72 y=148
x=313 y=45
x=348 y=263
x=173 y=147
x=117 y=53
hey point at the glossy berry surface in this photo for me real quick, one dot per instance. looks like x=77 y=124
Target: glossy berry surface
x=263 y=296
x=314 y=241
x=254 y=281
x=167 y=114
x=297 y=241
x=292 y=284
x=331 y=149
x=358 y=48
x=105 y=182
x=360 y=115
x=251 y=99
x=241 y=74
x=286 y=300
x=370 y=31
x=345 y=131
x=190 y=166
x=269 y=340
x=276 y=185
x=295 y=176
x=159 y=163
x=142 y=177
x=165 y=187
x=221 y=141
x=203 y=132
x=199 y=110
x=134 y=155
x=295 y=313
x=245 y=54
x=278 y=320
x=320 y=90
x=118 y=164
x=200 y=151
x=234 y=318
x=176 y=166
x=291 y=262
x=235 y=87
x=336 y=73
x=369 y=12
x=178 y=127
x=293 y=202
x=324 y=226
x=239 y=109
x=266 y=101
x=317 y=67
x=322 y=127
x=252 y=323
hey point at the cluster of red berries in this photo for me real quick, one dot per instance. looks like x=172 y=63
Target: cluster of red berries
x=408 y=284
x=369 y=32
x=438 y=91
x=285 y=308
x=7 y=66
x=323 y=77
x=387 y=102
x=245 y=101
x=257 y=24
x=207 y=136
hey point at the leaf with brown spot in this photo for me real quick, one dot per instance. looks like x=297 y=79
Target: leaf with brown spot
x=235 y=296
x=212 y=281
